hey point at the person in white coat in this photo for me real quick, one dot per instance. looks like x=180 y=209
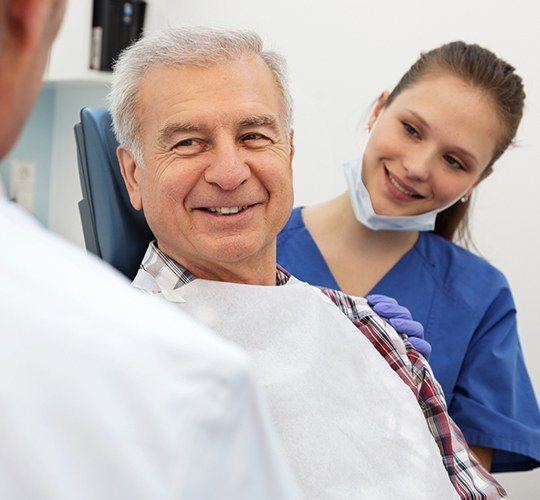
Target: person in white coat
x=104 y=392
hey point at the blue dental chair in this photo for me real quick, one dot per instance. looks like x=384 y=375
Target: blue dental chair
x=113 y=229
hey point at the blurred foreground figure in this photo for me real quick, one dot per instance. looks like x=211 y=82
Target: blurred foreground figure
x=105 y=393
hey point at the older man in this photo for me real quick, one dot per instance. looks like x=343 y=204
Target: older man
x=204 y=121
x=104 y=394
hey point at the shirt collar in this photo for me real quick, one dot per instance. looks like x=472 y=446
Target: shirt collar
x=171 y=275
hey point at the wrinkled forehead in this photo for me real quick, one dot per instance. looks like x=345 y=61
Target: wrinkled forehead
x=219 y=95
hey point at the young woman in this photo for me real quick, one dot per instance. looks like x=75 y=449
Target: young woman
x=432 y=140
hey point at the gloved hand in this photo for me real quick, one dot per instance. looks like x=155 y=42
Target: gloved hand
x=400 y=318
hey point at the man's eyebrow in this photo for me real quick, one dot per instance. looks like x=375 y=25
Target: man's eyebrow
x=457 y=149
x=167 y=133
x=259 y=121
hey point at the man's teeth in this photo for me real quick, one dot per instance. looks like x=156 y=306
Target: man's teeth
x=227 y=210
x=400 y=187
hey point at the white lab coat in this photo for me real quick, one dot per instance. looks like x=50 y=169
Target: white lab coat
x=106 y=393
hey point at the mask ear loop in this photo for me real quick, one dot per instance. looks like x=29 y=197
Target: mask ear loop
x=360 y=160
x=358 y=176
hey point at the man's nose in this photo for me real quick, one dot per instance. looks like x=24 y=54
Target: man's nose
x=228 y=170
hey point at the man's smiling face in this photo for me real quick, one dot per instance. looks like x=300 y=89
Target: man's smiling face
x=216 y=185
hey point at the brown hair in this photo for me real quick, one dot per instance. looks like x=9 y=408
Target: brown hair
x=480 y=68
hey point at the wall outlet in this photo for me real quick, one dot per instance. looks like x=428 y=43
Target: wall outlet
x=22 y=183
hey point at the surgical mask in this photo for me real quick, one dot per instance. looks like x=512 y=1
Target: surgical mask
x=364 y=212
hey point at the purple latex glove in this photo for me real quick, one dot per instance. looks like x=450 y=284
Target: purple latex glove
x=401 y=319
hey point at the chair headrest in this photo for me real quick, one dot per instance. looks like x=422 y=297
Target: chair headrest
x=121 y=232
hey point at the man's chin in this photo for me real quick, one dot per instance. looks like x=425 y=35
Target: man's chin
x=236 y=253
x=232 y=253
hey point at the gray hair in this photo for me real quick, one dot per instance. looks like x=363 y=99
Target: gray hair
x=191 y=46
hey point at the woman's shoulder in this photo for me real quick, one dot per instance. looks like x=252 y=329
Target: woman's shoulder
x=295 y=221
x=460 y=270
x=294 y=234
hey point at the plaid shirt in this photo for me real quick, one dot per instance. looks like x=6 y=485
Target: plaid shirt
x=469 y=478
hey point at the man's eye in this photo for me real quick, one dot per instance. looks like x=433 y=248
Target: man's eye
x=189 y=146
x=255 y=139
x=411 y=130
x=453 y=162
x=186 y=143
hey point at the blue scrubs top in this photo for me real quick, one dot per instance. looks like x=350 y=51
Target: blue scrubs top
x=468 y=312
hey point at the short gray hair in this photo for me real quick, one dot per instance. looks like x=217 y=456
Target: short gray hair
x=191 y=46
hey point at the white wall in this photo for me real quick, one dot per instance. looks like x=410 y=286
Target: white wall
x=70 y=54
x=343 y=53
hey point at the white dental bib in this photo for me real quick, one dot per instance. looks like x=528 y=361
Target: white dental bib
x=350 y=426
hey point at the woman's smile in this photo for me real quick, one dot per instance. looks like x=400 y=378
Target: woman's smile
x=398 y=189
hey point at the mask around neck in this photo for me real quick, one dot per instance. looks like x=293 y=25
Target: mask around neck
x=364 y=212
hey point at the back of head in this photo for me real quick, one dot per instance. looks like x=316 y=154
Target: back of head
x=27 y=31
x=482 y=69
x=188 y=46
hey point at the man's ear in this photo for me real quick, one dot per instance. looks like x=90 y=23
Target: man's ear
x=379 y=106
x=291 y=144
x=131 y=176
x=25 y=21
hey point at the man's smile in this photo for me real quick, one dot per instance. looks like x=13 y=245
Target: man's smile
x=228 y=209
x=236 y=215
